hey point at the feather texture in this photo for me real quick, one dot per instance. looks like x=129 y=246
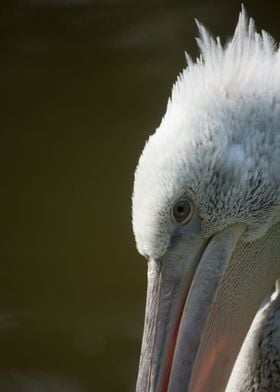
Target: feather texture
x=218 y=141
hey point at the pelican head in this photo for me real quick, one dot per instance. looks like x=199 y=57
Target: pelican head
x=206 y=210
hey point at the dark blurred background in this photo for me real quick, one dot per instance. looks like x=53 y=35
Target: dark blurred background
x=83 y=83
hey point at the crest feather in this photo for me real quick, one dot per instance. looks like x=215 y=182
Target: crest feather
x=230 y=64
x=245 y=42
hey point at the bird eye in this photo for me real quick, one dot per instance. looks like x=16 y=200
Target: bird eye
x=182 y=210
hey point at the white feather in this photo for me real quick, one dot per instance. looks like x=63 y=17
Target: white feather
x=219 y=140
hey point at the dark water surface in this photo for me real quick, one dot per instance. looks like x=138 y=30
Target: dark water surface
x=82 y=86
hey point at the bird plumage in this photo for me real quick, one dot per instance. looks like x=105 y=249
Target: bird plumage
x=257 y=368
x=219 y=145
x=219 y=139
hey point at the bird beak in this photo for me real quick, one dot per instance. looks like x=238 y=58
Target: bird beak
x=190 y=342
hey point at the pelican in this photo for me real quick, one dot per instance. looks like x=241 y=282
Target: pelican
x=206 y=215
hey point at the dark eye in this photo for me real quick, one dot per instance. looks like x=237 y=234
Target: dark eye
x=182 y=210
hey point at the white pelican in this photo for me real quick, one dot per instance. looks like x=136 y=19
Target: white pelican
x=206 y=215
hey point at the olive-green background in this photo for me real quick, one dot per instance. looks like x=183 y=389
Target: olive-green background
x=83 y=84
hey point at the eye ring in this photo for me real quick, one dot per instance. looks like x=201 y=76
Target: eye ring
x=182 y=210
